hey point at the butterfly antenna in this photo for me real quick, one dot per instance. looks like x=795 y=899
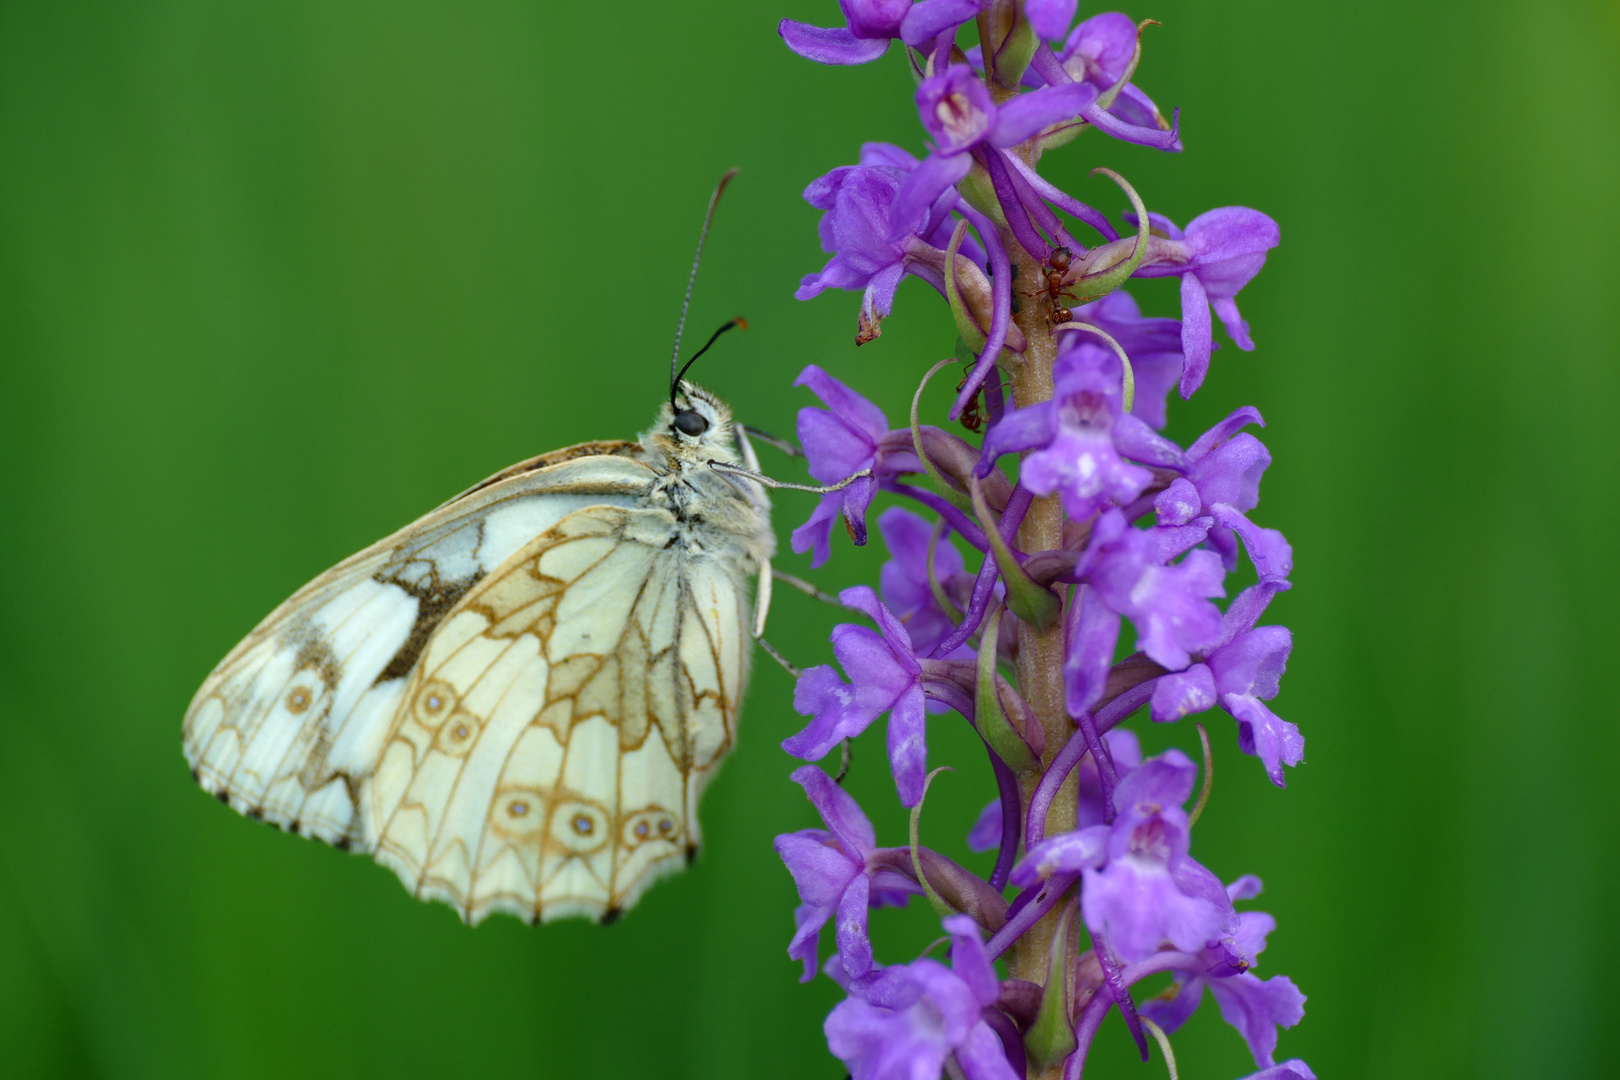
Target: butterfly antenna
x=739 y=323
x=708 y=219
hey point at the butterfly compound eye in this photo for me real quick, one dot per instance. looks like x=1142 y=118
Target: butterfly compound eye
x=691 y=422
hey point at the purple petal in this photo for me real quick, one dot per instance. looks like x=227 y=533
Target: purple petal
x=1101 y=48
x=1184 y=693
x=1245 y=611
x=982 y=1056
x=1173 y=1011
x=1092 y=634
x=1051 y=19
x=1217 y=435
x=908 y=747
x=815 y=535
x=820 y=871
x=1027 y=114
x=1230 y=235
x=854 y=947
x=1137 y=907
x=1253 y=662
x=925 y=184
x=1231 y=474
x=822 y=192
x=1196 y=335
x=862 y=415
x=1246 y=887
x=861 y=598
x=1018 y=429
x=882 y=153
x=838 y=808
x=969 y=961
x=1178 y=504
x=1066 y=853
x=986 y=832
x=875 y=18
x=1166 y=780
x=1294 y=1069
x=830 y=46
x=1257 y=1008
x=877 y=302
x=808 y=921
x=835 y=714
x=1266 y=735
x=853 y=504
x=930 y=18
x=1139 y=442
x=1268 y=549
x=1237 y=328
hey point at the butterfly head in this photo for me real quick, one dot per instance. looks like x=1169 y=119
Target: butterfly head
x=694 y=424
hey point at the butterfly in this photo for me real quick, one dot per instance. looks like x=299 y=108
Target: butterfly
x=515 y=701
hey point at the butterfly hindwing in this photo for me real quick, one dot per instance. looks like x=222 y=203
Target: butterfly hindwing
x=549 y=752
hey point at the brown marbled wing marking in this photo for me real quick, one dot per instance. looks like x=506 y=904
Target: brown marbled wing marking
x=530 y=707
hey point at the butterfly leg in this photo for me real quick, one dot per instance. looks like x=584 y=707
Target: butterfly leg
x=759 y=478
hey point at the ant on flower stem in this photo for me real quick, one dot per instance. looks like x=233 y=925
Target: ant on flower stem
x=1057 y=268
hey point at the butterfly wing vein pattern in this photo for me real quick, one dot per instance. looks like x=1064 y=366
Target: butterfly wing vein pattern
x=515 y=702
x=550 y=750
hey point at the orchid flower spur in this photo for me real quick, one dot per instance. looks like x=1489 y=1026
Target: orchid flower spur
x=1019 y=545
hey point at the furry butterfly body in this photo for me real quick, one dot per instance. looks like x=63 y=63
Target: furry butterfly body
x=516 y=701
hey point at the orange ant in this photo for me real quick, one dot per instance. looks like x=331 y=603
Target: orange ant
x=972 y=418
x=1058 y=263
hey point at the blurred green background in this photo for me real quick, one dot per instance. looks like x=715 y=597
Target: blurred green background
x=277 y=278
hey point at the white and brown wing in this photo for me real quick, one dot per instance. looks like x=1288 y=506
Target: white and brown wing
x=550 y=751
x=290 y=724
x=514 y=702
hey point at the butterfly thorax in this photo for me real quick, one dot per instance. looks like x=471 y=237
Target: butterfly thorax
x=714 y=513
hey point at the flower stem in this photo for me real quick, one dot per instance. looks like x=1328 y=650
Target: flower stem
x=1040 y=652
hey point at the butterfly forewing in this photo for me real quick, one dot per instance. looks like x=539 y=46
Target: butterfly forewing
x=514 y=702
x=290 y=722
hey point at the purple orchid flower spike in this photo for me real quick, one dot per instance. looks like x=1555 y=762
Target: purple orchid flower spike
x=1220 y=252
x=1108 y=521
x=869 y=26
x=904 y=578
x=1241 y=673
x=1255 y=1007
x=957 y=111
x=1148 y=889
x=914 y=1016
x=886 y=676
x=838 y=442
x=834 y=875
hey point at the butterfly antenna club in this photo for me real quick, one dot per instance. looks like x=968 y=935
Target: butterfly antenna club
x=691 y=280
